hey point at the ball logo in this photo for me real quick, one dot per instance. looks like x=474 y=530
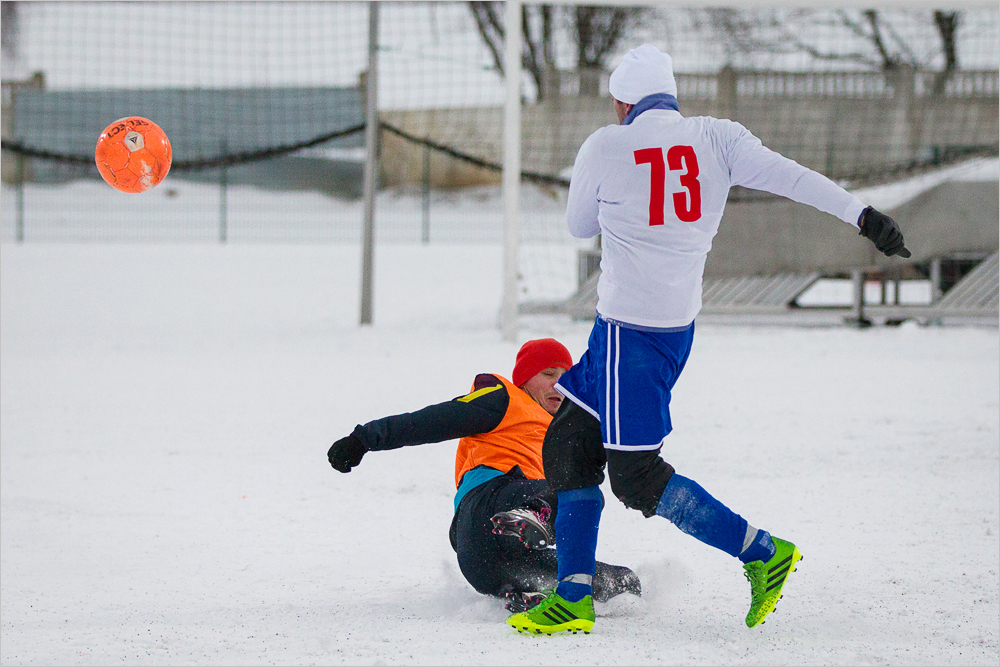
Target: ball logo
x=134 y=141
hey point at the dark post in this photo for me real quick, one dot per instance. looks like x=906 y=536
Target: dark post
x=426 y=219
x=223 y=183
x=20 y=198
x=857 y=317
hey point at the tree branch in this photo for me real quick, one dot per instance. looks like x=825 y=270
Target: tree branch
x=490 y=30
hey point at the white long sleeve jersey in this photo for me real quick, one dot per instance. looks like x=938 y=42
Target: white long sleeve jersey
x=656 y=189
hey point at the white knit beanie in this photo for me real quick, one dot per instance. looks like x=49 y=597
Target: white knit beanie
x=644 y=71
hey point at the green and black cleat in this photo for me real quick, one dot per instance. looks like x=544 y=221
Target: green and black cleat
x=767 y=580
x=555 y=614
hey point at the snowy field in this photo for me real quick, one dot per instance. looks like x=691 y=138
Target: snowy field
x=165 y=412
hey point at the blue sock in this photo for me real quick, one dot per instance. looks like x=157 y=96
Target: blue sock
x=576 y=541
x=760 y=546
x=692 y=509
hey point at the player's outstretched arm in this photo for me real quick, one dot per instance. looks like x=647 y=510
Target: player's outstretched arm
x=478 y=412
x=883 y=231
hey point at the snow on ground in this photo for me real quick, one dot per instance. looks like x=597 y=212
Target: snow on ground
x=165 y=412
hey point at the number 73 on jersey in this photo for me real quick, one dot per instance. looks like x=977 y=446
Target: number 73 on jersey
x=687 y=203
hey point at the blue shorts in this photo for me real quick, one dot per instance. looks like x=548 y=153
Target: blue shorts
x=624 y=379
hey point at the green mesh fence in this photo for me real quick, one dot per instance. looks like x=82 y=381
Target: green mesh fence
x=264 y=105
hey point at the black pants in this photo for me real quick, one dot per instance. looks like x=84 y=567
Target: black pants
x=498 y=564
x=574 y=457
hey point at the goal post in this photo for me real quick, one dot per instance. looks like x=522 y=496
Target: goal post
x=481 y=109
x=511 y=184
x=371 y=161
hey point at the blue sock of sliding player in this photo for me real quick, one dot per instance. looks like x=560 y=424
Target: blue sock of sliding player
x=576 y=541
x=696 y=512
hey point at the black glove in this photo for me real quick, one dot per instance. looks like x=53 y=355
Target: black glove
x=346 y=453
x=883 y=232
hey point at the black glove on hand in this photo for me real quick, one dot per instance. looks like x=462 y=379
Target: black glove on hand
x=346 y=453
x=883 y=232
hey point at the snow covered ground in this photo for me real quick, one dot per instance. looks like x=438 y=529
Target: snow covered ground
x=165 y=412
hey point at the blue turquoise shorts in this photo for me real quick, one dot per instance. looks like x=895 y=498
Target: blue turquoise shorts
x=625 y=378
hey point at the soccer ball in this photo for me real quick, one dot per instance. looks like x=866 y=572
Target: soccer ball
x=133 y=154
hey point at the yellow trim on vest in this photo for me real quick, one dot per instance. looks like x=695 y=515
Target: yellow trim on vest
x=479 y=392
x=516 y=441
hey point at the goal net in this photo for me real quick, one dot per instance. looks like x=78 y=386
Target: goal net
x=264 y=105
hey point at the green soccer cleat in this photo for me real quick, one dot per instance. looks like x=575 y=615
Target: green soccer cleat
x=555 y=614
x=768 y=579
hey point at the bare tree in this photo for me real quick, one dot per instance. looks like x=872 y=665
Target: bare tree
x=595 y=31
x=748 y=32
x=873 y=31
x=9 y=29
x=536 y=52
x=598 y=31
x=947 y=25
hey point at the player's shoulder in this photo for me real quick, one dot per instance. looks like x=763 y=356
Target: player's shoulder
x=724 y=134
x=601 y=135
x=709 y=123
x=486 y=380
x=595 y=147
x=488 y=392
x=718 y=125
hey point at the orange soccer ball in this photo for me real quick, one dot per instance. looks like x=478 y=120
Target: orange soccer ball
x=133 y=154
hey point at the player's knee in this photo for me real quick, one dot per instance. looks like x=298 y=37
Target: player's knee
x=638 y=478
x=573 y=450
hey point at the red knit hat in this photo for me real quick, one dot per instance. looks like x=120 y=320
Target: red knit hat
x=537 y=355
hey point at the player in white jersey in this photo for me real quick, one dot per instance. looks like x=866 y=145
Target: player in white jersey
x=655 y=188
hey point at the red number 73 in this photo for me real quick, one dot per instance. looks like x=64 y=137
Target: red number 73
x=687 y=205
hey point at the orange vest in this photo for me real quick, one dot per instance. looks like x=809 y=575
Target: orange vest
x=516 y=441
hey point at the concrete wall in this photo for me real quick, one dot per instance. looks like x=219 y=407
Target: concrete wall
x=473 y=131
x=852 y=127
x=781 y=236
x=846 y=125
